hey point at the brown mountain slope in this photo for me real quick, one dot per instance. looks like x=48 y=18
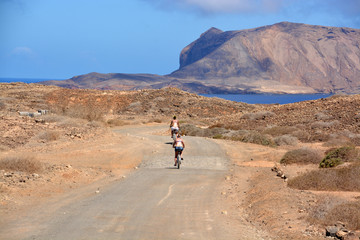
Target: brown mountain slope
x=280 y=58
x=326 y=59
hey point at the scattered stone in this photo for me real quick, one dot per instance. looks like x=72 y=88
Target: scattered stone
x=223 y=193
x=8 y=175
x=227 y=178
x=35 y=175
x=224 y=212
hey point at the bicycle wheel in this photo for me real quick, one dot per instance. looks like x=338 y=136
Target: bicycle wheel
x=178 y=161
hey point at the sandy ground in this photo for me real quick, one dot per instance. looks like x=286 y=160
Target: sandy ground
x=252 y=199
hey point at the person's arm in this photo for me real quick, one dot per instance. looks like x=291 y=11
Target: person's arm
x=183 y=144
x=171 y=123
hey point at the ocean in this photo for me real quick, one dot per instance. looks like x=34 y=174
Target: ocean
x=247 y=98
x=268 y=98
x=25 y=80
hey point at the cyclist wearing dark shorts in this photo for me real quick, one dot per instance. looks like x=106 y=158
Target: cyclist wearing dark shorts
x=179 y=146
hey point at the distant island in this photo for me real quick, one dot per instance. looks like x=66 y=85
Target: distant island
x=281 y=58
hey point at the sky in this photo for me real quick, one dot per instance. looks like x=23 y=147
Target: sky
x=59 y=39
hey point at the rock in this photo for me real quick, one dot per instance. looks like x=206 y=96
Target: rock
x=8 y=175
x=341 y=234
x=227 y=178
x=224 y=212
x=331 y=231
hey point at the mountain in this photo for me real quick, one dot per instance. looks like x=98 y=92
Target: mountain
x=281 y=58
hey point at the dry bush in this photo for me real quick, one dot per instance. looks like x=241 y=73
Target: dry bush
x=302 y=156
x=302 y=135
x=24 y=163
x=258 y=115
x=322 y=116
x=286 y=140
x=329 y=179
x=348 y=213
x=156 y=120
x=336 y=156
x=336 y=140
x=330 y=210
x=253 y=137
x=116 y=122
x=280 y=130
x=321 y=124
x=86 y=112
x=49 y=135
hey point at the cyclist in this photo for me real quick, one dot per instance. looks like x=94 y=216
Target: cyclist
x=179 y=146
x=174 y=126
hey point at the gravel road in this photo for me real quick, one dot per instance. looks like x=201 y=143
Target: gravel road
x=157 y=201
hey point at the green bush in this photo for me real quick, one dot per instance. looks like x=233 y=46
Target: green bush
x=337 y=156
x=330 y=162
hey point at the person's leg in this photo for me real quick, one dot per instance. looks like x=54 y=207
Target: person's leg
x=176 y=154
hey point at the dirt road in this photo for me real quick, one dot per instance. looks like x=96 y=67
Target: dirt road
x=157 y=201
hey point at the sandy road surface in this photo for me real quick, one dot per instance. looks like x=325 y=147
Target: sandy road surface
x=157 y=201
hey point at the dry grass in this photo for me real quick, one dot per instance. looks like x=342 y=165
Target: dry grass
x=302 y=156
x=348 y=213
x=116 y=122
x=258 y=115
x=49 y=135
x=280 y=130
x=26 y=164
x=286 y=140
x=336 y=179
x=331 y=210
x=253 y=137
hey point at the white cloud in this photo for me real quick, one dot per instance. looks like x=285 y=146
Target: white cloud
x=23 y=51
x=222 y=6
x=233 y=6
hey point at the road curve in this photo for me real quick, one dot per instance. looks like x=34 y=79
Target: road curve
x=157 y=201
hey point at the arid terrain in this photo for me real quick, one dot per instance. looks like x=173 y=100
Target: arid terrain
x=257 y=166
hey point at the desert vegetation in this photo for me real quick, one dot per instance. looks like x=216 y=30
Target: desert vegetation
x=27 y=164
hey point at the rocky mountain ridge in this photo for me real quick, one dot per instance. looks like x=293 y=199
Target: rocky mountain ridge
x=281 y=58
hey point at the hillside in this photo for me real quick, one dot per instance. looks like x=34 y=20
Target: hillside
x=280 y=58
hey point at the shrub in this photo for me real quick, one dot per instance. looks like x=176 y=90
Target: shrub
x=348 y=213
x=253 y=137
x=321 y=124
x=329 y=179
x=116 y=122
x=322 y=116
x=286 y=140
x=49 y=135
x=258 y=115
x=337 y=156
x=218 y=136
x=280 y=130
x=26 y=164
x=302 y=156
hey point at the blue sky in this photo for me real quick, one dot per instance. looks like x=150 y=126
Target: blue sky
x=58 y=39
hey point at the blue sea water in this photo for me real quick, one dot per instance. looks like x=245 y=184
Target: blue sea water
x=247 y=98
x=268 y=98
x=24 y=80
